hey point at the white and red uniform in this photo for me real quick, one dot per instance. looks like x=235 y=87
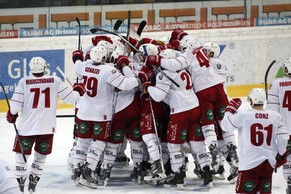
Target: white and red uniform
x=95 y=108
x=37 y=98
x=184 y=112
x=8 y=182
x=278 y=100
x=262 y=135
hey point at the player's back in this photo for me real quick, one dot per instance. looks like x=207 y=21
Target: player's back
x=96 y=104
x=258 y=135
x=181 y=98
x=203 y=76
x=39 y=97
x=279 y=97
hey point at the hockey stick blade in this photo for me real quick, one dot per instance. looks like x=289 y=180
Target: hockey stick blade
x=266 y=77
x=117 y=25
x=141 y=27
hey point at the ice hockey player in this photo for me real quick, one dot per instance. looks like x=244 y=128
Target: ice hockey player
x=262 y=138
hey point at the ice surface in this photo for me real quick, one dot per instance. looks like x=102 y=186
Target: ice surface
x=56 y=176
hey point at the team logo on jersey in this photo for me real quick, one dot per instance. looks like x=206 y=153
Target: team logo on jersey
x=83 y=128
x=97 y=129
x=209 y=115
x=26 y=144
x=136 y=132
x=266 y=187
x=183 y=134
x=118 y=135
x=221 y=111
x=44 y=146
x=198 y=131
x=249 y=186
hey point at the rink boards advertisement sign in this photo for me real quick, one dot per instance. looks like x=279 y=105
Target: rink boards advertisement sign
x=15 y=65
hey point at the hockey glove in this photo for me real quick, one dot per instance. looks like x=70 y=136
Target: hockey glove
x=145 y=86
x=153 y=60
x=97 y=39
x=87 y=56
x=146 y=74
x=281 y=160
x=233 y=105
x=77 y=55
x=175 y=45
x=177 y=34
x=10 y=117
x=80 y=88
x=121 y=61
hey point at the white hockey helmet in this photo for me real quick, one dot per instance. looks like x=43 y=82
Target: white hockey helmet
x=287 y=67
x=115 y=54
x=149 y=49
x=212 y=47
x=168 y=54
x=257 y=96
x=98 y=54
x=37 y=65
x=107 y=45
x=188 y=42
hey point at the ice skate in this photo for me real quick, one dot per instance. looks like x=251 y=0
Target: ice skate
x=137 y=175
x=121 y=160
x=215 y=156
x=86 y=178
x=233 y=174
x=105 y=174
x=233 y=157
x=156 y=173
x=177 y=179
x=207 y=177
x=219 y=174
x=33 y=180
x=197 y=170
x=288 y=190
x=21 y=182
x=77 y=173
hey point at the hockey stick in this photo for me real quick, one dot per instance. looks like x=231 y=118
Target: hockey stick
x=65 y=116
x=128 y=24
x=163 y=176
x=266 y=77
x=64 y=76
x=79 y=42
x=15 y=128
x=117 y=25
x=141 y=27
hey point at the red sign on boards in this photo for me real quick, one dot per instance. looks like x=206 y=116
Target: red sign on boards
x=8 y=34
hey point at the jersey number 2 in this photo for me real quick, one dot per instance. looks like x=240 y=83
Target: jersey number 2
x=257 y=135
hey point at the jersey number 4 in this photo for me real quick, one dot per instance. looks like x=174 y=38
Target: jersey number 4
x=287 y=100
x=258 y=135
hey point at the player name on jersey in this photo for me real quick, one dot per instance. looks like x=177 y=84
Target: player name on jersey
x=261 y=116
x=285 y=83
x=39 y=81
x=92 y=70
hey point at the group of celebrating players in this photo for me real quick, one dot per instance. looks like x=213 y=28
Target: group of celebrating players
x=166 y=98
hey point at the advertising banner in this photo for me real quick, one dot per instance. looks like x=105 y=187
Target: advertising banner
x=15 y=65
x=8 y=34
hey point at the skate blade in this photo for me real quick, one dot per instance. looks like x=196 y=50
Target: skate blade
x=157 y=177
x=179 y=186
x=86 y=184
x=232 y=181
x=105 y=182
x=219 y=177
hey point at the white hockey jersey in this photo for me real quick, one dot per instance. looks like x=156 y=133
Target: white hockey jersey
x=262 y=134
x=37 y=98
x=219 y=67
x=279 y=99
x=179 y=99
x=8 y=182
x=97 y=102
